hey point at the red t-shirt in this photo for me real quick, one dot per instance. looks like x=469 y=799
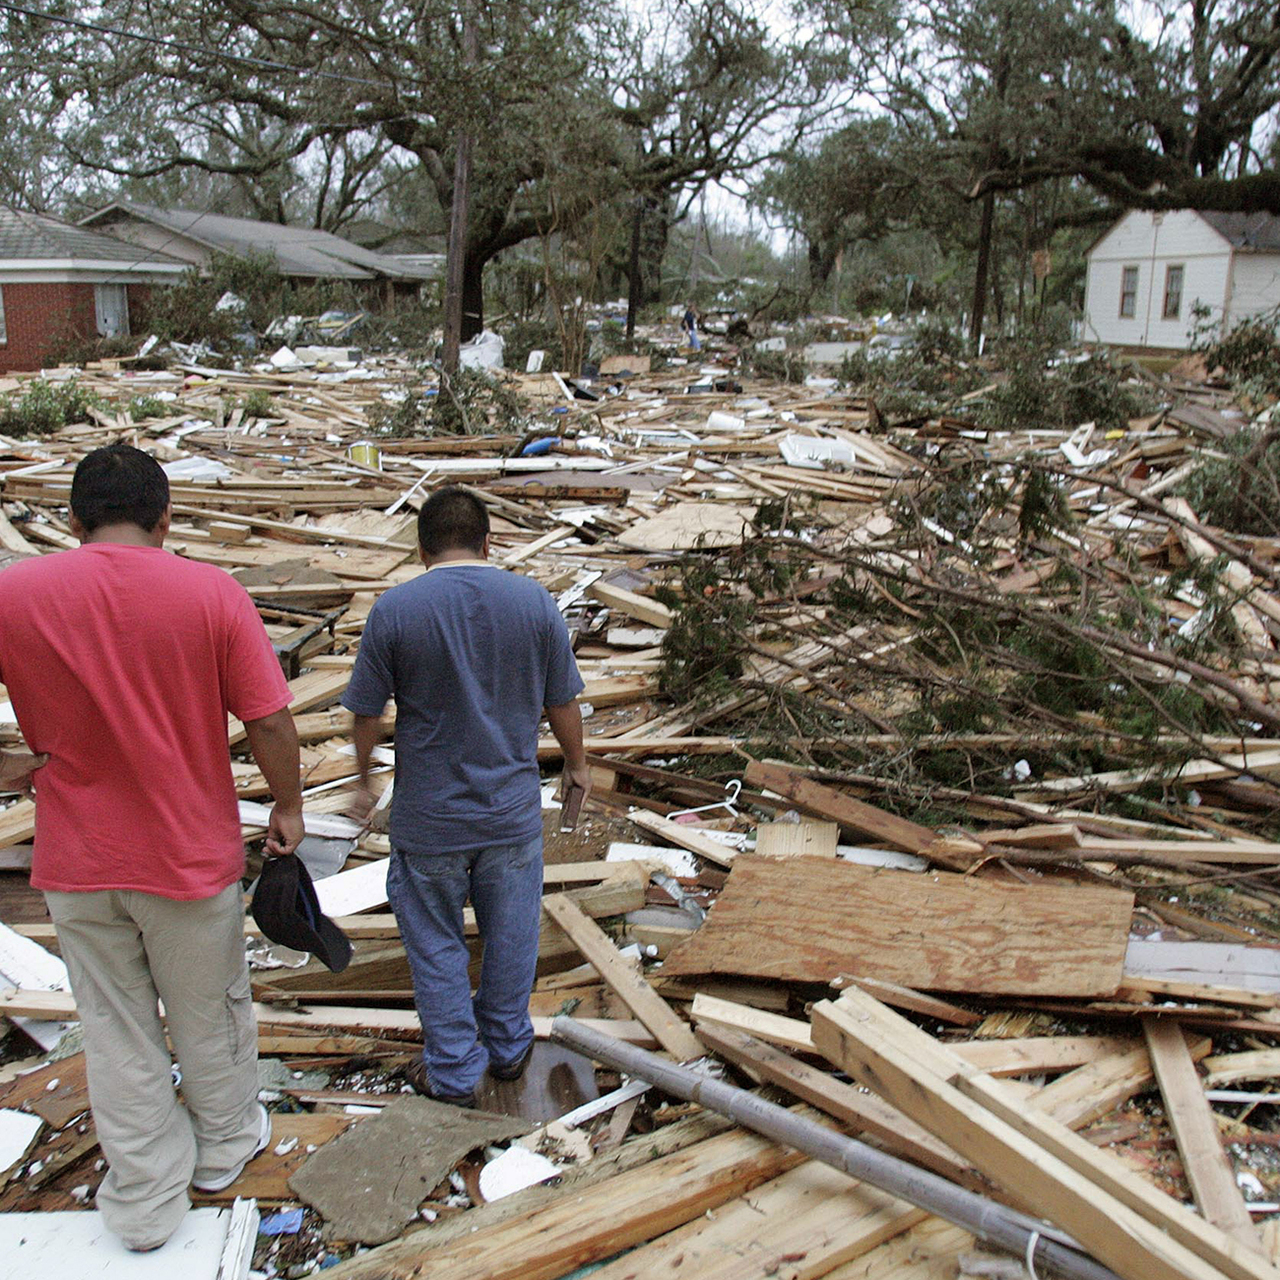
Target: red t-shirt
x=122 y=663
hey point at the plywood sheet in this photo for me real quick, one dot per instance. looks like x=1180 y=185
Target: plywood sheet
x=690 y=524
x=809 y=919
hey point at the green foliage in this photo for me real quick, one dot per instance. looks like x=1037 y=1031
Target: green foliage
x=780 y=366
x=918 y=381
x=1250 y=353
x=471 y=402
x=1239 y=490
x=522 y=336
x=1066 y=395
x=44 y=408
x=143 y=407
x=258 y=404
x=1044 y=508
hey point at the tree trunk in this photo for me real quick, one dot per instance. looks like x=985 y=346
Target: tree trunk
x=980 y=270
x=472 y=294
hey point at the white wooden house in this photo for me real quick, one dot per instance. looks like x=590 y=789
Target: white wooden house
x=1146 y=274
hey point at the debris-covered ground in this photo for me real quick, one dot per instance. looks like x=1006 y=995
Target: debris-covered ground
x=924 y=695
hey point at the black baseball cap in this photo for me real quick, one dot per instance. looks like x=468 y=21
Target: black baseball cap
x=286 y=909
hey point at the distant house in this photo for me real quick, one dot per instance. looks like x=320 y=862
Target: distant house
x=303 y=255
x=1147 y=273
x=60 y=283
x=423 y=253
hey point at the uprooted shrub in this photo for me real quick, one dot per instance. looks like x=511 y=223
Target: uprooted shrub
x=43 y=408
x=1238 y=488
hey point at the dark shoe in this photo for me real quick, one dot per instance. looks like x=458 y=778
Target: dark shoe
x=416 y=1074
x=512 y=1070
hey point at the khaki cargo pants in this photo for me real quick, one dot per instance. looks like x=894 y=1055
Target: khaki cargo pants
x=125 y=951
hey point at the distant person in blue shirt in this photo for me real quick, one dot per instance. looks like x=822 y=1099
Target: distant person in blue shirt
x=474 y=656
x=690 y=326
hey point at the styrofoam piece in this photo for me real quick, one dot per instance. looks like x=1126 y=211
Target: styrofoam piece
x=718 y=420
x=813 y=451
x=881 y=858
x=514 y=1170
x=678 y=862
x=209 y=1244
x=534 y=363
x=17 y=1132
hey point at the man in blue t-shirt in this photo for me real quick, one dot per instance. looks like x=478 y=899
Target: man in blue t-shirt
x=474 y=656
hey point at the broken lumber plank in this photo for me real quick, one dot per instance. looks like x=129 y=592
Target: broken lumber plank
x=1231 y=1068
x=632 y=604
x=801 y=1224
x=812 y=919
x=683 y=837
x=649 y=1007
x=917 y=1001
x=790 y=1033
x=863 y=1111
x=827 y=802
x=1208 y=1169
x=1133 y=1227
x=1097 y=1087
x=1198 y=991
x=573 y=1231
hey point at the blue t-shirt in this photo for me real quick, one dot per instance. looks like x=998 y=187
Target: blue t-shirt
x=471 y=654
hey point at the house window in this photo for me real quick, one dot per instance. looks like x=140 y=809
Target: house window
x=111 y=303
x=1172 y=292
x=4 y=328
x=1128 y=293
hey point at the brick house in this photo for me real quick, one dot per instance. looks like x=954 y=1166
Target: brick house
x=59 y=283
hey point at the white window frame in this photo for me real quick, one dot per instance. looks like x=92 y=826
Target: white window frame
x=1176 y=313
x=4 y=327
x=100 y=311
x=1132 y=313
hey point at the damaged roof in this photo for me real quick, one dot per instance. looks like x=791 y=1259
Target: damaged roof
x=34 y=238
x=299 y=251
x=1248 y=232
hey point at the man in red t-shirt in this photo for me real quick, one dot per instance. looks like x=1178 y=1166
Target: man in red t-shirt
x=122 y=662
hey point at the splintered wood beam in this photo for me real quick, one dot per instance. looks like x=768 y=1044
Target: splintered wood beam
x=827 y=802
x=1208 y=1169
x=1133 y=1227
x=864 y=1112
x=683 y=837
x=649 y=1007
x=633 y=605
x=1097 y=1087
x=570 y=1231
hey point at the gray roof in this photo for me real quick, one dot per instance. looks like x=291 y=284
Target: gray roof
x=35 y=238
x=299 y=251
x=1249 y=232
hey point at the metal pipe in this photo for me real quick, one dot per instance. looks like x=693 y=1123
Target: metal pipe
x=994 y=1224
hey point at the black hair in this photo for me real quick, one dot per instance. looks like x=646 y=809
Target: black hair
x=119 y=484
x=452 y=519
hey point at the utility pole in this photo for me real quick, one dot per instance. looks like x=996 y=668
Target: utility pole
x=459 y=213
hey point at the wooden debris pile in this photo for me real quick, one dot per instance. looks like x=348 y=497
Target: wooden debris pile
x=931 y=756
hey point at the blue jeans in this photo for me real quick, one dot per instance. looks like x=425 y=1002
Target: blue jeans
x=427 y=892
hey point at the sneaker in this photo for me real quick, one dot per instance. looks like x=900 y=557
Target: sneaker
x=416 y=1074
x=513 y=1070
x=224 y=1180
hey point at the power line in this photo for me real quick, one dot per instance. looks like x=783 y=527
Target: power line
x=182 y=46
